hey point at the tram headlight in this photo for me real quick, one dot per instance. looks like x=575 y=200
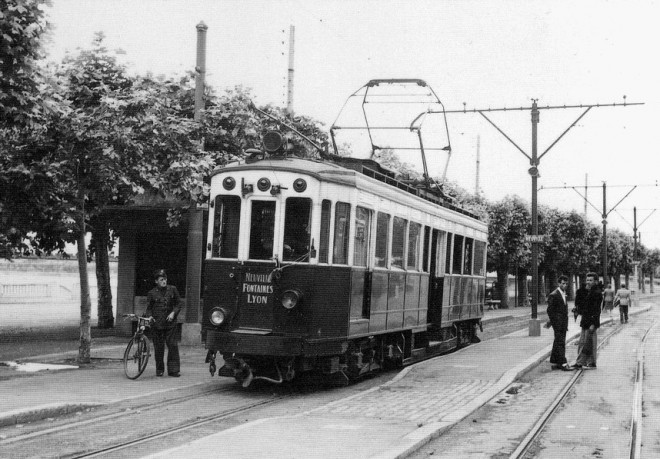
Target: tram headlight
x=228 y=183
x=300 y=185
x=263 y=184
x=218 y=316
x=291 y=298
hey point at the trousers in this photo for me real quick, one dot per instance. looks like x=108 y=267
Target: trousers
x=587 y=347
x=558 y=355
x=166 y=337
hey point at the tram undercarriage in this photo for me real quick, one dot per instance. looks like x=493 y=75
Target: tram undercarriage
x=363 y=356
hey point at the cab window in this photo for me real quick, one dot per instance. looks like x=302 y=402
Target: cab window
x=297 y=223
x=262 y=230
x=226 y=220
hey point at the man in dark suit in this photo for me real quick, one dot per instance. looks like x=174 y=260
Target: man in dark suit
x=588 y=346
x=558 y=320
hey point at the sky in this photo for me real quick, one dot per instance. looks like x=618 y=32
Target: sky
x=473 y=54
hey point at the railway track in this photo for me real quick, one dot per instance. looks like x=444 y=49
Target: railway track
x=128 y=445
x=133 y=425
x=636 y=410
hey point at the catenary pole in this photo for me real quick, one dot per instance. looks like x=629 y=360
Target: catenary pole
x=191 y=329
x=534 y=159
x=604 y=249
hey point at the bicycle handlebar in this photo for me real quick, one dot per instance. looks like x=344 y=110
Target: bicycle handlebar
x=135 y=317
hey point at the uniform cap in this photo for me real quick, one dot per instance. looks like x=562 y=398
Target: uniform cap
x=160 y=273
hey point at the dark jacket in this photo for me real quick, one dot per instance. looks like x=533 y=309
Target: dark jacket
x=591 y=311
x=557 y=311
x=581 y=299
x=160 y=303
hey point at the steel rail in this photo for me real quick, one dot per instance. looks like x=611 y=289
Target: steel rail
x=539 y=426
x=111 y=416
x=180 y=428
x=636 y=421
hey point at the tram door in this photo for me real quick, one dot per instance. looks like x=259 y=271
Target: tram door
x=436 y=283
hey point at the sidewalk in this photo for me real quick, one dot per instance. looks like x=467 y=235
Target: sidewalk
x=386 y=421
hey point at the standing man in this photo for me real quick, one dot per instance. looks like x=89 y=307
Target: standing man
x=558 y=320
x=624 y=301
x=164 y=305
x=589 y=324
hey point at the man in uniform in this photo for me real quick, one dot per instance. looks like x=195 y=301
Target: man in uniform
x=164 y=305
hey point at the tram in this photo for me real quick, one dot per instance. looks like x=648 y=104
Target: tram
x=333 y=265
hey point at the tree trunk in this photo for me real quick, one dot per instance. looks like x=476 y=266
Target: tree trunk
x=85 y=301
x=503 y=288
x=104 y=290
x=651 y=281
x=522 y=288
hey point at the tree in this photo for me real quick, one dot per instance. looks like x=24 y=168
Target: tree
x=22 y=28
x=112 y=138
x=652 y=264
x=508 y=222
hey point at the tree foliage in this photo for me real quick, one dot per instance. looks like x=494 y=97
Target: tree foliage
x=23 y=26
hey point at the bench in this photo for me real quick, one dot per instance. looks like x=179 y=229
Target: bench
x=493 y=304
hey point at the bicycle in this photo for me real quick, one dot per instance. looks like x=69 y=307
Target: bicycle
x=138 y=349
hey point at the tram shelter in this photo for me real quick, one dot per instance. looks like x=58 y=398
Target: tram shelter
x=148 y=242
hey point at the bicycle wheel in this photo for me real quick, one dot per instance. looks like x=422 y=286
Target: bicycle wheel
x=136 y=356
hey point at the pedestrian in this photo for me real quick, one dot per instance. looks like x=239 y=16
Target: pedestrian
x=608 y=298
x=558 y=320
x=164 y=305
x=589 y=324
x=623 y=296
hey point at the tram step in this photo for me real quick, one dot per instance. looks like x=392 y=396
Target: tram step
x=418 y=353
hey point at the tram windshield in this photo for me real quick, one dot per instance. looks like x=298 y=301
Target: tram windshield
x=262 y=230
x=225 y=226
x=297 y=222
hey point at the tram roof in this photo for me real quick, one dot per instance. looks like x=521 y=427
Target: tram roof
x=345 y=171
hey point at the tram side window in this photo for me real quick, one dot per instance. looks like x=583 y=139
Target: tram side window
x=382 y=239
x=262 y=230
x=324 y=242
x=362 y=236
x=226 y=220
x=414 y=239
x=467 y=258
x=398 y=241
x=458 y=252
x=479 y=258
x=426 y=259
x=448 y=253
x=342 y=232
x=297 y=221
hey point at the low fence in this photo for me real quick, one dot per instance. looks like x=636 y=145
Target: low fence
x=35 y=293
